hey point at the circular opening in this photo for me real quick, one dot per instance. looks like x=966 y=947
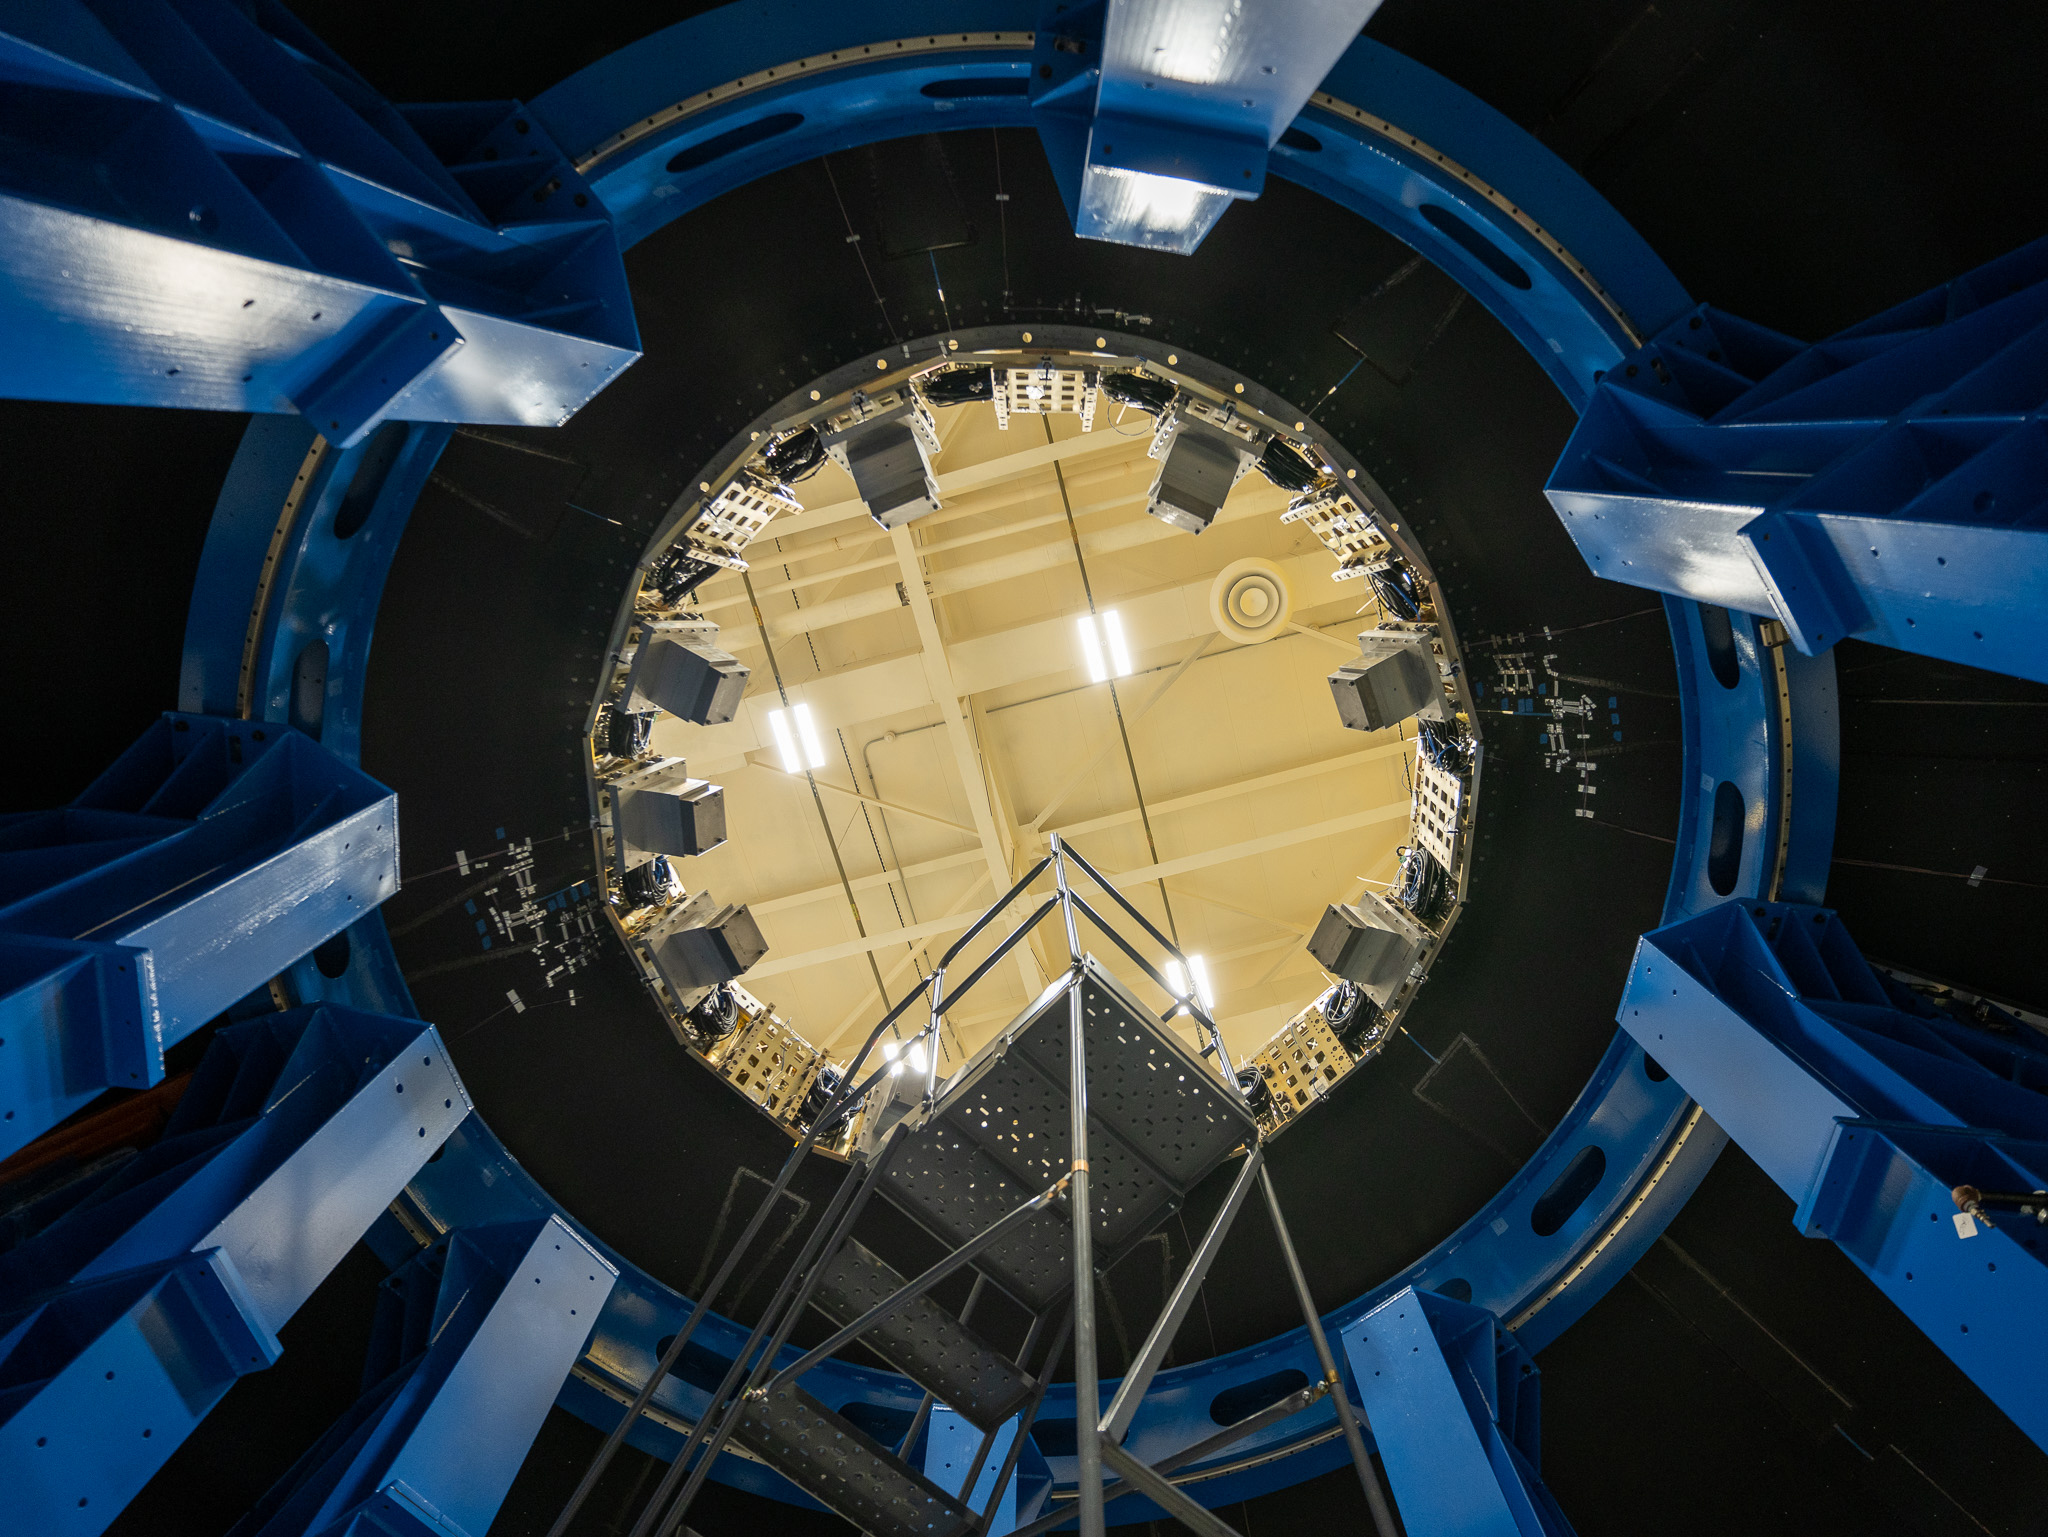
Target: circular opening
x=331 y=956
x=1127 y=567
x=1248 y=1398
x=733 y=140
x=1724 y=839
x=1568 y=1192
x=1475 y=245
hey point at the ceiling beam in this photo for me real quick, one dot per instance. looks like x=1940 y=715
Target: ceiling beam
x=789 y=899
x=865 y=800
x=1398 y=749
x=1229 y=852
x=868 y=690
x=1207 y=859
x=995 y=841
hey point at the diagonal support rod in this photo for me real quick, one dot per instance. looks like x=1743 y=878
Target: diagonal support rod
x=1139 y=1377
x=1201 y=1451
x=1361 y=1460
x=995 y=1233
x=1168 y=1496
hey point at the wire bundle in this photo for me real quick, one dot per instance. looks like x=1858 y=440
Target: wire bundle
x=1398 y=589
x=1444 y=746
x=794 y=457
x=715 y=1015
x=1351 y=1015
x=1130 y=388
x=678 y=574
x=958 y=386
x=1287 y=466
x=1425 y=888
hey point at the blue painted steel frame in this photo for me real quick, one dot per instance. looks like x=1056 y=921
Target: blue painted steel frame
x=1455 y=180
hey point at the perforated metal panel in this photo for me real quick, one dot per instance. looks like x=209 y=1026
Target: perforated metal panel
x=835 y=1464
x=922 y=1340
x=1159 y=1120
x=1439 y=796
x=953 y=1189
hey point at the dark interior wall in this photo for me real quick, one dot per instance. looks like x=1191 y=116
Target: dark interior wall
x=1804 y=165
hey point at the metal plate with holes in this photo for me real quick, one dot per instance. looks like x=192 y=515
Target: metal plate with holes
x=922 y=1340
x=954 y=1190
x=843 y=1470
x=1158 y=1122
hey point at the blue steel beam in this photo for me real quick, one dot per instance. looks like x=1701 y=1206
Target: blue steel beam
x=296 y=1131
x=1868 y=1107
x=1453 y=1400
x=208 y=858
x=706 y=105
x=1890 y=483
x=184 y=1260
x=472 y=1340
x=202 y=206
x=103 y=1381
x=950 y=1445
x=1158 y=114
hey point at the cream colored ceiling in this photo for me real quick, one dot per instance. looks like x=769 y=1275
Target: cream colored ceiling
x=962 y=729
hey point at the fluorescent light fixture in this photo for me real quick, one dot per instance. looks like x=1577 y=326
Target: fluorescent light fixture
x=1178 y=977
x=890 y=1051
x=796 y=738
x=1119 y=653
x=916 y=1056
x=1091 y=649
x=1104 y=662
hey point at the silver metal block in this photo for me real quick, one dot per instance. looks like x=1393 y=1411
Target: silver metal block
x=677 y=668
x=1394 y=678
x=702 y=945
x=662 y=810
x=1196 y=471
x=1374 y=944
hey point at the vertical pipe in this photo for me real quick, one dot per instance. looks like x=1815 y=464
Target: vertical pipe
x=1059 y=875
x=1375 y=1496
x=1087 y=1388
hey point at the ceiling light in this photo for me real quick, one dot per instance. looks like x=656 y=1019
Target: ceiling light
x=1119 y=653
x=916 y=1055
x=1104 y=649
x=1177 y=976
x=1091 y=650
x=796 y=738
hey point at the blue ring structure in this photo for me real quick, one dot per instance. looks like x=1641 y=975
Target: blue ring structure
x=708 y=105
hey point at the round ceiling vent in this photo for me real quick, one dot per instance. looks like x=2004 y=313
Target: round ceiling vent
x=1250 y=602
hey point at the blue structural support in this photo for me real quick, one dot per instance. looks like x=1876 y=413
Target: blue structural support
x=471 y=1342
x=204 y=207
x=1156 y=120
x=951 y=1446
x=1453 y=1400
x=1890 y=483
x=207 y=859
x=1914 y=1139
x=100 y=1382
x=185 y=1259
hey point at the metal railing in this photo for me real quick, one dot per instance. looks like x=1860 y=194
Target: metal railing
x=752 y=1373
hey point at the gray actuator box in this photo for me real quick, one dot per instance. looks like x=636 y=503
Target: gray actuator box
x=891 y=473
x=1196 y=471
x=661 y=810
x=1374 y=944
x=678 y=669
x=1394 y=678
x=701 y=945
